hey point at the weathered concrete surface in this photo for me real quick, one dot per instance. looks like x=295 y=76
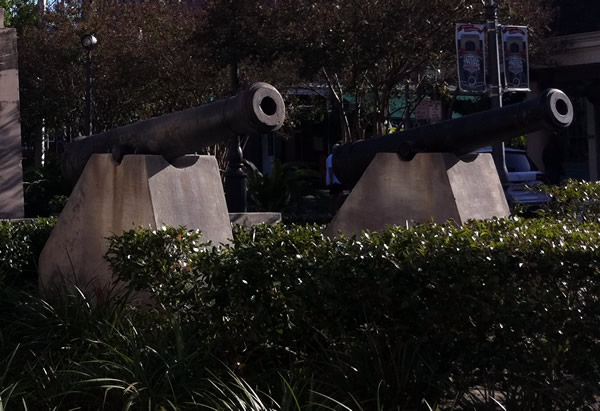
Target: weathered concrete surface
x=11 y=172
x=144 y=190
x=436 y=187
x=250 y=219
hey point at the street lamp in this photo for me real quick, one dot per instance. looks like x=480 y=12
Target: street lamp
x=88 y=42
x=235 y=184
x=494 y=86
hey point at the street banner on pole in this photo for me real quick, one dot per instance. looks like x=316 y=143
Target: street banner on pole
x=516 y=58
x=470 y=47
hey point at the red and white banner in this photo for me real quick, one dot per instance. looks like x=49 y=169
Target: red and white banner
x=516 y=58
x=470 y=52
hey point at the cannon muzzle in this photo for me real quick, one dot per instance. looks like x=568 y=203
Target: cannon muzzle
x=551 y=110
x=258 y=110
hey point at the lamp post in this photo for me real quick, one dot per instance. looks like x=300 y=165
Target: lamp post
x=494 y=86
x=235 y=184
x=89 y=43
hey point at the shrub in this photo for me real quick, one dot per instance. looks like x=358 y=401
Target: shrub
x=21 y=242
x=45 y=189
x=282 y=189
x=433 y=312
x=573 y=199
x=505 y=310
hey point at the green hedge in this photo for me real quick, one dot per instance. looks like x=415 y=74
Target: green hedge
x=434 y=315
x=21 y=242
x=435 y=312
x=573 y=200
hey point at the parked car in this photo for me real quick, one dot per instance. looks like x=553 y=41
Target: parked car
x=522 y=174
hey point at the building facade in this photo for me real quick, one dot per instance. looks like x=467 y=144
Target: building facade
x=576 y=71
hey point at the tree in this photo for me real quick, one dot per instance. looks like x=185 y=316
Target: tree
x=243 y=38
x=375 y=50
x=19 y=14
x=155 y=57
x=253 y=35
x=145 y=65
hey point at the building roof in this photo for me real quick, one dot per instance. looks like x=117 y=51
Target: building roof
x=576 y=16
x=578 y=49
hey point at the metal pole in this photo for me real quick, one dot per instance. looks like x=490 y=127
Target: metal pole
x=88 y=95
x=88 y=42
x=494 y=86
x=235 y=178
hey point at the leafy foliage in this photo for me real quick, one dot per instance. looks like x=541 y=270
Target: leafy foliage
x=573 y=200
x=378 y=50
x=163 y=73
x=282 y=188
x=494 y=312
x=508 y=305
x=19 y=14
x=21 y=243
x=45 y=189
x=179 y=55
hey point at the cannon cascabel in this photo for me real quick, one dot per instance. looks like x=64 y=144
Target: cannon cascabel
x=552 y=109
x=257 y=110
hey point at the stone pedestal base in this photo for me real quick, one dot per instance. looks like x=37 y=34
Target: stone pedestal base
x=437 y=187
x=144 y=191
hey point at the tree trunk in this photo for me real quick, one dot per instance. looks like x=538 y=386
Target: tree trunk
x=40 y=146
x=337 y=96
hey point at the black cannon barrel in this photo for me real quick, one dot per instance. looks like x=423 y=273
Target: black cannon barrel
x=258 y=110
x=552 y=109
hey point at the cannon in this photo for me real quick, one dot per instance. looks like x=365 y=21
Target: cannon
x=258 y=110
x=425 y=173
x=146 y=174
x=552 y=109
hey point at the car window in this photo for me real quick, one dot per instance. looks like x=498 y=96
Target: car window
x=517 y=162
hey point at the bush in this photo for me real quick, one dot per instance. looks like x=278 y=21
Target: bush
x=434 y=312
x=505 y=310
x=577 y=200
x=45 y=189
x=21 y=242
x=282 y=189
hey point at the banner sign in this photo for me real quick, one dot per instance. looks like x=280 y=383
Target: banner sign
x=516 y=58
x=470 y=51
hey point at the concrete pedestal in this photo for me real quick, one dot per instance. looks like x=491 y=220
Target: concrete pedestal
x=437 y=187
x=144 y=191
x=11 y=172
